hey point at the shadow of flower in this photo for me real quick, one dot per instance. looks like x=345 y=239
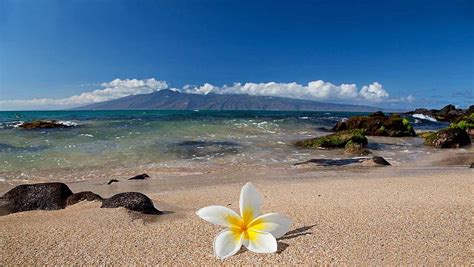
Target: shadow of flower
x=293 y=234
x=297 y=232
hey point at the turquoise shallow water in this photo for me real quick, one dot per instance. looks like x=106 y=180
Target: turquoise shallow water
x=171 y=138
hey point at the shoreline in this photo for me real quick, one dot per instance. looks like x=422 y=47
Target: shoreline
x=434 y=159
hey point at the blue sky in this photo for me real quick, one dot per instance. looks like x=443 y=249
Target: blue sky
x=406 y=53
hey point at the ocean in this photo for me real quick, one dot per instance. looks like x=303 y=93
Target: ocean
x=103 y=140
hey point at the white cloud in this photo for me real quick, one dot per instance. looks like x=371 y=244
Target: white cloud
x=315 y=90
x=112 y=90
x=373 y=92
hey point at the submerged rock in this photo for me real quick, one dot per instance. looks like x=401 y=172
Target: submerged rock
x=377 y=124
x=139 y=177
x=132 y=201
x=196 y=149
x=336 y=140
x=43 y=196
x=448 y=138
x=44 y=124
x=374 y=161
x=81 y=196
x=356 y=149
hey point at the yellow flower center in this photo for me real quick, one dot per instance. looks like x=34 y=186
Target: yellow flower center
x=241 y=227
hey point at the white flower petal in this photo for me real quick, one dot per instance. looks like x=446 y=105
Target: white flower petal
x=219 y=215
x=273 y=223
x=259 y=242
x=227 y=243
x=250 y=203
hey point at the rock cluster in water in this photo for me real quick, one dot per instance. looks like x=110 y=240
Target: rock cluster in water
x=350 y=134
x=448 y=113
x=459 y=132
x=377 y=124
x=55 y=196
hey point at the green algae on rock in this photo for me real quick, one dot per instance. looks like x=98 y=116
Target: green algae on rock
x=448 y=138
x=378 y=124
x=335 y=140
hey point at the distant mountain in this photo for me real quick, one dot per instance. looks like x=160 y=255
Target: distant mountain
x=173 y=100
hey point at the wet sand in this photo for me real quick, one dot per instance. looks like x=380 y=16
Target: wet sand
x=392 y=215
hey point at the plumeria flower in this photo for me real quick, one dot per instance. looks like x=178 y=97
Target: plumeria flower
x=258 y=233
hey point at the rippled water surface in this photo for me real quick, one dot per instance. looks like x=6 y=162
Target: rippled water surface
x=175 y=138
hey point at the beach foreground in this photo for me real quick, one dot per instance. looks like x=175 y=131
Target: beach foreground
x=382 y=216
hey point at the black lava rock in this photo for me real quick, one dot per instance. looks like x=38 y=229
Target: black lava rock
x=139 y=177
x=132 y=201
x=43 y=196
x=374 y=161
x=47 y=124
x=81 y=196
x=112 y=181
x=380 y=161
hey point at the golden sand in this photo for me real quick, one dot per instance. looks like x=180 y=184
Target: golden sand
x=384 y=216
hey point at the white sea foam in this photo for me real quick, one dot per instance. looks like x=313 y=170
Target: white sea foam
x=17 y=124
x=423 y=117
x=68 y=123
x=86 y=135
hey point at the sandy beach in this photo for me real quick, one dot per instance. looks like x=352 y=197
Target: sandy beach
x=378 y=216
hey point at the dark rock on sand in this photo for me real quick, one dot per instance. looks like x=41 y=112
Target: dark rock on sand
x=336 y=140
x=448 y=138
x=46 y=124
x=112 y=181
x=329 y=162
x=44 y=196
x=132 y=201
x=139 y=177
x=472 y=166
x=377 y=124
x=374 y=161
x=81 y=196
